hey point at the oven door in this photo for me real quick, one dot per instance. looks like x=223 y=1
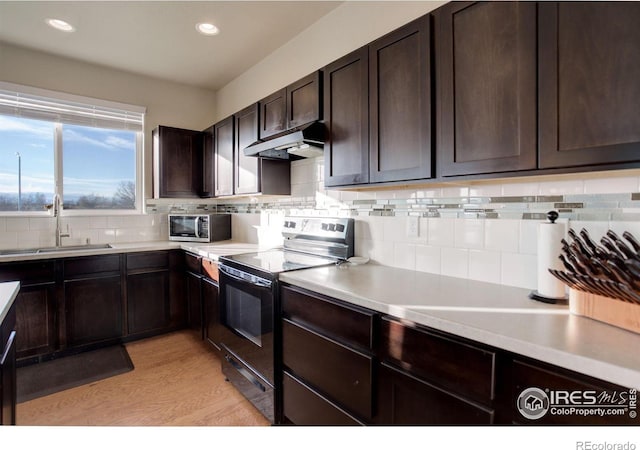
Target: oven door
x=246 y=319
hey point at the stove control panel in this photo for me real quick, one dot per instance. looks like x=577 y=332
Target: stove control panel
x=321 y=227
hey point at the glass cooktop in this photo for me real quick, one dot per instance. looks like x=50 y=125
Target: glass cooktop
x=277 y=260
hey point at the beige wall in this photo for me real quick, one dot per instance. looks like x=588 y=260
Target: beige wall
x=167 y=103
x=346 y=28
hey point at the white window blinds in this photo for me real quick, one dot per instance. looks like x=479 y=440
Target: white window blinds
x=33 y=103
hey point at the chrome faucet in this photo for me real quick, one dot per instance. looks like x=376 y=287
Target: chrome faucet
x=56 y=205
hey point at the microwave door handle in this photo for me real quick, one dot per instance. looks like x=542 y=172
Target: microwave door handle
x=197 y=226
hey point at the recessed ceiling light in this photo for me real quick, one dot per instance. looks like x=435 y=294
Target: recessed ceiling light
x=208 y=29
x=61 y=25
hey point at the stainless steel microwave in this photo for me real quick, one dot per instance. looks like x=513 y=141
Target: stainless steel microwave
x=199 y=227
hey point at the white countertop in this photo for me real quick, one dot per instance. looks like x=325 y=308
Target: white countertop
x=8 y=293
x=208 y=250
x=492 y=314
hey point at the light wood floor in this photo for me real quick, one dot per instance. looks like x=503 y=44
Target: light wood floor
x=176 y=381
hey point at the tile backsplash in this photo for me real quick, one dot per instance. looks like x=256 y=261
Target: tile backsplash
x=481 y=230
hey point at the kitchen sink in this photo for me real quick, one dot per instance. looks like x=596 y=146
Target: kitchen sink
x=68 y=248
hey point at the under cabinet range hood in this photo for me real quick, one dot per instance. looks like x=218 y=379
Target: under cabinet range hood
x=303 y=142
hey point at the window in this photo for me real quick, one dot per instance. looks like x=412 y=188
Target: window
x=87 y=151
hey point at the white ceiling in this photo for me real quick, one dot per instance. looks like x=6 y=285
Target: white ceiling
x=158 y=38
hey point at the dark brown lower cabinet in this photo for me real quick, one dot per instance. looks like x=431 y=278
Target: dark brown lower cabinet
x=342 y=374
x=36 y=320
x=568 y=394
x=305 y=406
x=147 y=292
x=8 y=388
x=194 y=303
x=147 y=302
x=404 y=399
x=93 y=310
x=211 y=303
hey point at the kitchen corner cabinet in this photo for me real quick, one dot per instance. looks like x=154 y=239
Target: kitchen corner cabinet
x=589 y=67
x=293 y=106
x=93 y=300
x=378 y=110
x=486 y=87
x=36 y=306
x=246 y=168
x=177 y=162
x=8 y=379
x=346 y=110
x=148 y=307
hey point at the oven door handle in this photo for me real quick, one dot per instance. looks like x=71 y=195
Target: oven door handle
x=256 y=281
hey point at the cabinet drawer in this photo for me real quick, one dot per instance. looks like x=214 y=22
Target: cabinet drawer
x=192 y=262
x=342 y=374
x=406 y=400
x=347 y=324
x=524 y=375
x=456 y=366
x=304 y=406
x=28 y=272
x=210 y=269
x=147 y=260
x=77 y=267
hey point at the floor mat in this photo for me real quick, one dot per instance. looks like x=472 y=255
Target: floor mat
x=46 y=378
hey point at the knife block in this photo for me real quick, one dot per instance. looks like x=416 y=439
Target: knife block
x=609 y=310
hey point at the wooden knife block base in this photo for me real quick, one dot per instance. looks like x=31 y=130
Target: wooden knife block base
x=605 y=309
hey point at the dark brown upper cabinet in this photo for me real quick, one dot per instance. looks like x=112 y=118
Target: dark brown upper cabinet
x=224 y=149
x=246 y=168
x=304 y=100
x=589 y=92
x=177 y=155
x=237 y=174
x=296 y=105
x=400 y=116
x=486 y=87
x=273 y=114
x=377 y=107
x=208 y=164
x=346 y=111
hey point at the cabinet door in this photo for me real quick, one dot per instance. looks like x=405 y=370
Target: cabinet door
x=194 y=303
x=303 y=100
x=486 y=84
x=36 y=320
x=211 y=303
x=147 y=301
x=224 y=144
x=8 y=380
x=273 y=114
x=346 y=111
x=400 y=104
x=247 y=175
x=178 y=155
x=588 y=83
x=406 y=400
x=208 y=164
x=93 y=310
